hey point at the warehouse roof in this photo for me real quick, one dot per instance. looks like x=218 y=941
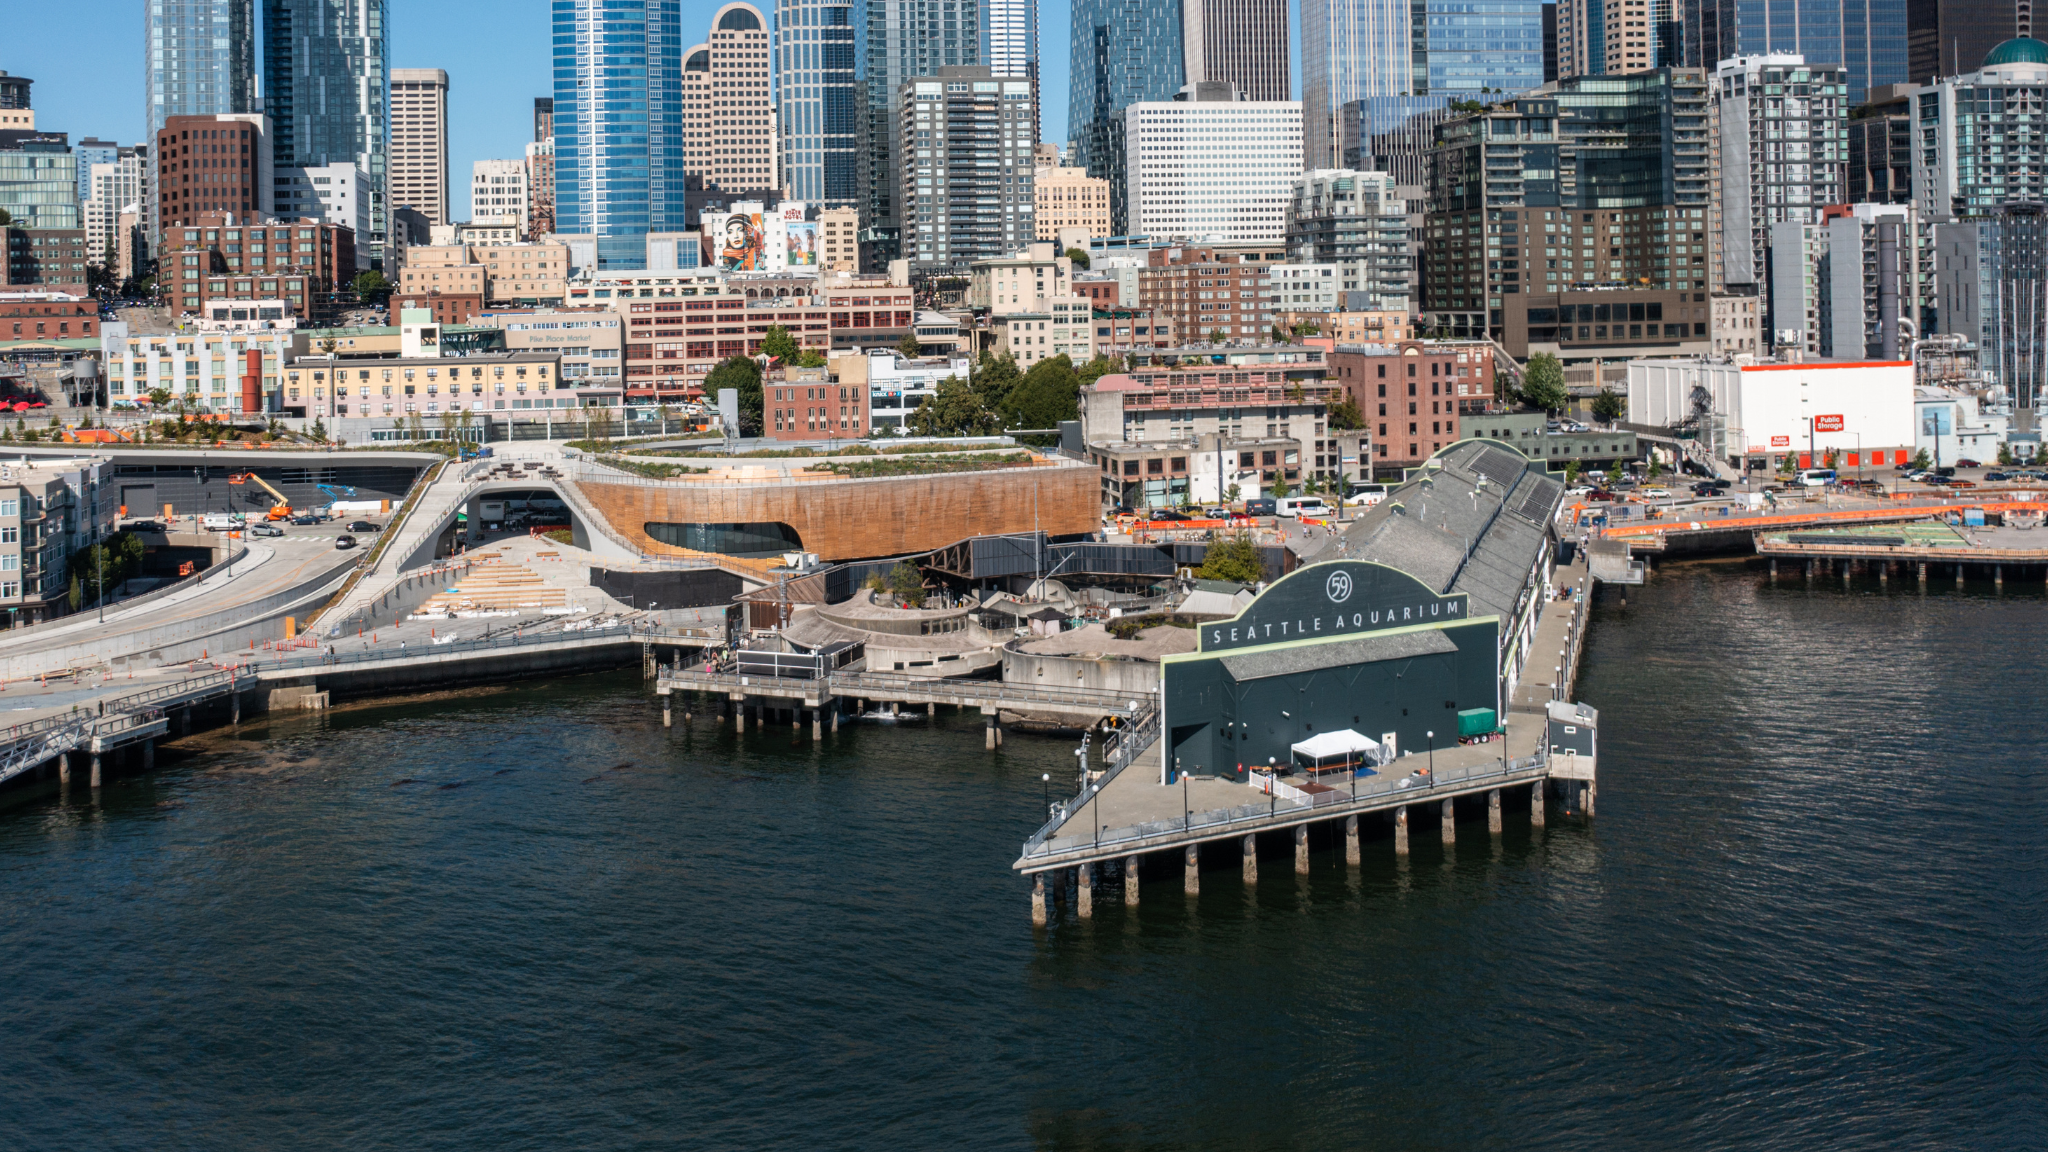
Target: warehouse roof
x=1474 y=519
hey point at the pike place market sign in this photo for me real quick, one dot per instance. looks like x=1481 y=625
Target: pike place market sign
x=1335 y=598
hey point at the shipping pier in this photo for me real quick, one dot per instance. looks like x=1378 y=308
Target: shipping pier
x=1916 y=550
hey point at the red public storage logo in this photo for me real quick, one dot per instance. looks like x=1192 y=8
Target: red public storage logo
x=1781 y=441
x=1827 y=423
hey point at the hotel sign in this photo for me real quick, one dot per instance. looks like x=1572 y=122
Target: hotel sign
x=1335 y=598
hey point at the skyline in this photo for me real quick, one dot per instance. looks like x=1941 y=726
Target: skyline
x=498 y=57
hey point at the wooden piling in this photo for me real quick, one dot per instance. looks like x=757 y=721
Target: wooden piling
x=1301 y=849
x=1401 y=830
x=1131 y=881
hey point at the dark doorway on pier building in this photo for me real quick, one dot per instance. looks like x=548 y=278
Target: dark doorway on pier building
x=1342 y=644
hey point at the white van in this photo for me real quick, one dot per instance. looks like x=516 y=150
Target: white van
x=218 y=522
x=1816 y=477
x=1365 y=495
x=1299 y=506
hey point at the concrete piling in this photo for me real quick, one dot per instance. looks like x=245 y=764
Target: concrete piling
x=1923 y=572
x=1038 y=900
x=817 y=724
x=1537 y=802
x=64 y=768
x=1191 y=871
x=988 y=735
x=95 y=769
x=1251 y=858
x=739 y=716
x=1351 y=841
x=667 y=717
x=1959 y=575
x=1401 y=830
x=1493 y=812
x=1131 y=881
x=1084 y=891
x=835 y=717
x=1301 y=849
x=1450 y=823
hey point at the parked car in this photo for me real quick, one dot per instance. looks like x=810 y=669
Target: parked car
x=305 y=518
x=1217 y=512
x=1602 y=494
x=1994 y=477
x=1958 y=482
x=1655 y=493
x=1157 y=514
x=344 y=541
x=362 y=526
x=265 y=529
x=1968 y=464
x=1579 y=490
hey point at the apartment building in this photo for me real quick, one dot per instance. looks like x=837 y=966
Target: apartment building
x=965 y=137
x=209 y=164
x=728 y=124
x=1257 y=419
x=1025 y=281
x=498 y=189
x=1065 y=328
x=895 y=384
x=528 y=275
x=229 y=256
x=1069 y=198
x=423 y=385
x=419 y=142
x=36 y=314
x=208 y=369
x=839 y=240
x=1415 y=394
x=1207 y=291
x=1208 y=164
x=813 y=404
x=1784 y=152
x=340 y=194
x=590 y=343
x=47 y=259
x=1355 y=221
x=49 y=510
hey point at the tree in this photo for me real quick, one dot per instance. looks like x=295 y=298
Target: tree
x=77 y=594
x=1922 y=461
x=1096 y=369
x=953 y=410
x=1614 y=472
x=1231 y=494
x=779 y=344
x=318 y=431
x=807 y=358
x=995 y=378
x=907 y=584
x=1234 y=557
x=1609 y=407
x=1279 y=487
x=371 y=286
x=1543 y=383
x=909 y=347
x=744 y=375
x=1049 y=393
x=1345 y=415
x=1656 y=466
x=2005 y=454
x=1312 y=485
x=1216 y=336
x=1080 y=257
x=1571 y=472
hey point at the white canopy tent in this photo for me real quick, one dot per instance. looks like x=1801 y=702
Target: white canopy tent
x=1332 y=751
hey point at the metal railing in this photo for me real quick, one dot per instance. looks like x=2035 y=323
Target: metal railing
x=883 y=685
x=620 y=632
x=1416 y=787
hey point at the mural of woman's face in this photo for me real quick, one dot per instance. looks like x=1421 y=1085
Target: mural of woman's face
x=736 y=233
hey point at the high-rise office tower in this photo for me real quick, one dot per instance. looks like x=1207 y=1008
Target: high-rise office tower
x=966 y=139
x=728 y=127
x=326 y=91
x=15 y=113
x=1210 y=164
x=815 y=100
x=1241 y=42
x=201 y=59
x=212 y=164
x=540 y=171
x=112 y=187
x=499 y=189
x=419 y=142
x=1391 y=52
x=543 y=118
x=1784 y=152
x=619 y=142
x=894 y=41
x=1866 y=39
x=1951 y=37
x=1122 y=52
x=1010 y=38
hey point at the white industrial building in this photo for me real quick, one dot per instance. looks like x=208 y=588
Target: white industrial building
x=1753 y=415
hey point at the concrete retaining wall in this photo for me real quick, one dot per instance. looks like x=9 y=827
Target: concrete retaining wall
x=1135 y=677
x=431 y=673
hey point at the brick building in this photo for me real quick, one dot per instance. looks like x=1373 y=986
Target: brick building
x=229 y=256
x=1414 y=394
x=46 y=259
x=447 y=307
x=1207 y=289
x=813 y=404
x=671 y=344
x=39 y=315
x=212 y=164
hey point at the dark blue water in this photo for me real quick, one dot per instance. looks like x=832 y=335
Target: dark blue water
x=1810 y=914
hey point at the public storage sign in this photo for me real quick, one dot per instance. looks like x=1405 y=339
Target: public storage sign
x=1827 y=423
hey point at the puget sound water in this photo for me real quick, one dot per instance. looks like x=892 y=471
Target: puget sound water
x=1809 y=915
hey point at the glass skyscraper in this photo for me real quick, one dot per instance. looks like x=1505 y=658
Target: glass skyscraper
x=1868 y=38
x=894 y=41
x=619 y=149
x=817 y=117
x=201 y=59
x=1396 y=50
x=1123 y=52
x=327 y=90
x=1010 y=38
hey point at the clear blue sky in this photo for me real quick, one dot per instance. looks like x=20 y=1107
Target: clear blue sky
x=496 y=53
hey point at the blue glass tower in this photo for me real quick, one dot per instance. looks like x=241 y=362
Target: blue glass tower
x=619 y=145
x=1124 y=52
x=894 y=41
x=327 y=90
x=816 y=101
x=1867 y=38
x=200 y=59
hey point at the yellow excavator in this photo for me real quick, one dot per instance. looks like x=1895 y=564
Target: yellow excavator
x=282 y=510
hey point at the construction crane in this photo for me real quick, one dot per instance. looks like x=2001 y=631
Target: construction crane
x=282 y=510
x=334 y=492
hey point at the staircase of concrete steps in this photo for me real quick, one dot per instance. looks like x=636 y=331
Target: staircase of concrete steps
x=495 y=587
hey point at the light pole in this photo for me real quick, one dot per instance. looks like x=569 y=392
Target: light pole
x=1432 y=755
x=1045 y=789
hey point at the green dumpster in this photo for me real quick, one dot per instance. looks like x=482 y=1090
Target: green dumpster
x=1475 y=722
